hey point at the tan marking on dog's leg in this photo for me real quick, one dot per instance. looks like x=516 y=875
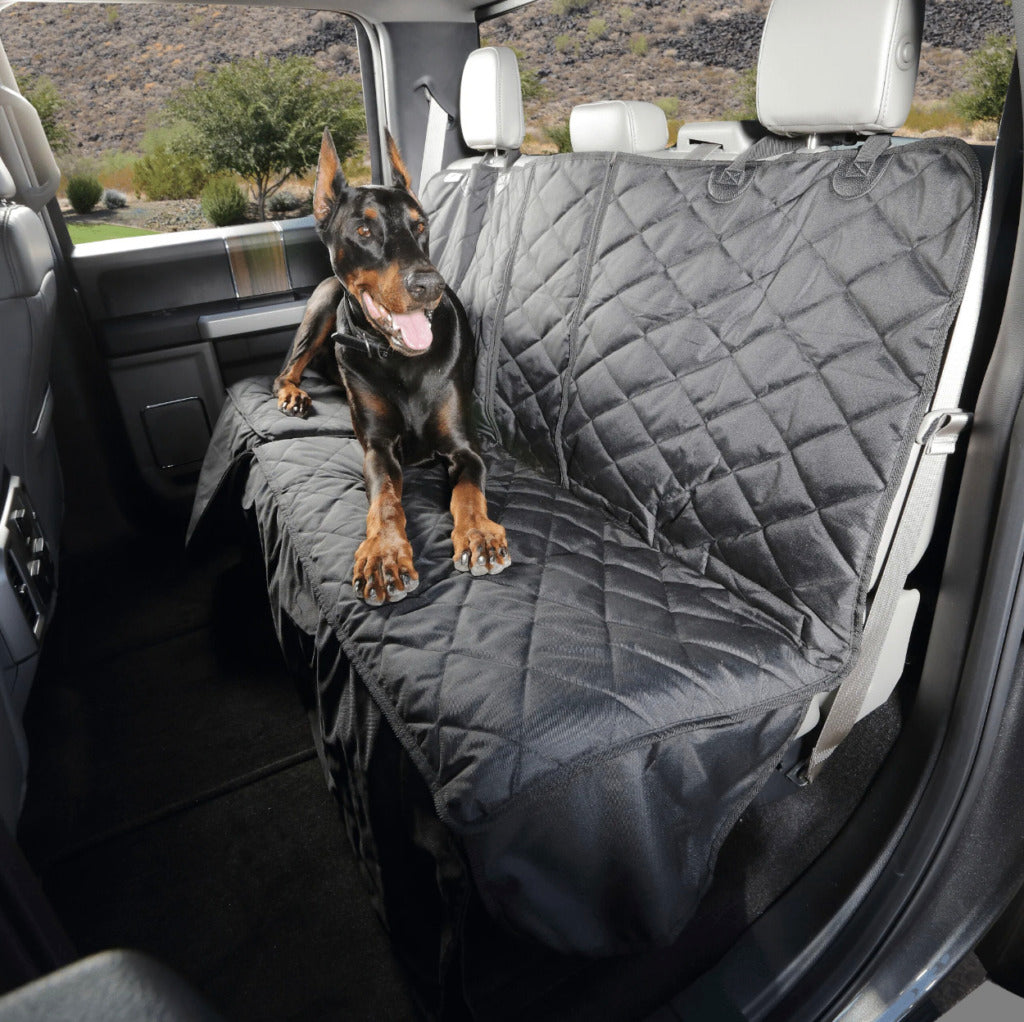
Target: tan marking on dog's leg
x=480 y=545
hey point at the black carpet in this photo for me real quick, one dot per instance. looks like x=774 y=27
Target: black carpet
x=175 y=803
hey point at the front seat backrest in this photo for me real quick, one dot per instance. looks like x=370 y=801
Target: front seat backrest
x=28 y=296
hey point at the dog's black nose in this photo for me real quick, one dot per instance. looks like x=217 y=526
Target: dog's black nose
x=424 y=285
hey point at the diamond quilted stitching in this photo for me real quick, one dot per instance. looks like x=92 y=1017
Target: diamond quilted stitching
x=544 y=285
x=743 y=345
x=657 y=641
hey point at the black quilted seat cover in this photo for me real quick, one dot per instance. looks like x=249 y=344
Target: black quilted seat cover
x=250 y=417
x=599 y=675
x=698 y=390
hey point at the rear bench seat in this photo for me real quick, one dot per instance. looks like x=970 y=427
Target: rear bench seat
x=699 y=384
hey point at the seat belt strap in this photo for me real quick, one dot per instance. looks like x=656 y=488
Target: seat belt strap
x=433 y=140
x=937 y=438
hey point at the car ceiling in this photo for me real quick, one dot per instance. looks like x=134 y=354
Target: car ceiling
x=372 y=10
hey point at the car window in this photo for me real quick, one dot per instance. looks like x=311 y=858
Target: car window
x=697 y=61
x=134 y=98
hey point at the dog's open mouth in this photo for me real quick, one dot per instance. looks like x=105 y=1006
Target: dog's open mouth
x=408 y=331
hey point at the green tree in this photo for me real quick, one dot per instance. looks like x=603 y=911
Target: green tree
x=43 y=95
x=988 y=76
x=262 y=119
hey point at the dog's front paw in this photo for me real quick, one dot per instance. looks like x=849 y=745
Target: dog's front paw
x=383 y=570
x=481 y=549
x=293 y=401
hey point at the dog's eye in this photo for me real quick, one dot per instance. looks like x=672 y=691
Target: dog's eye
x=420 y=226
x=363 y=231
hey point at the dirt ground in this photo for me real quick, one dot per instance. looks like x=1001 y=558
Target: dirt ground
x=170 y=215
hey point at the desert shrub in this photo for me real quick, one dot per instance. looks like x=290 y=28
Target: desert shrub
x=529 y=80
x=985 y=129
x=561 y=7
x=113 y=199
x=356 y=170
x=669 y=104
x=116 y=170
x=83 y=191
x=988 y=75
x=638 y=45
x=559 y=134
x=936 y=116
x=223 y=202
x=563 y=42
x=597 y=28
x=169 y=173
x=49 y=104
x=746 y=97
x=283 y=202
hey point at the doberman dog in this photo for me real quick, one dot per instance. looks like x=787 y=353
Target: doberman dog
x=404 y=353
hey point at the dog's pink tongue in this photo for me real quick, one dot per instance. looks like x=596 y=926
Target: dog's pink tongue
x=415 y=327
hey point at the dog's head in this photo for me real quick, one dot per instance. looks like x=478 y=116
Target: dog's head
x=377 y=240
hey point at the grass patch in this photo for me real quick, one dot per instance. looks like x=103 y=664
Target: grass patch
x=941 y=116
x=82 y=234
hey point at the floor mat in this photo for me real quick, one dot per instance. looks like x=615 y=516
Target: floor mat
x=252 y=896
x=175 y=801
x=156 y=690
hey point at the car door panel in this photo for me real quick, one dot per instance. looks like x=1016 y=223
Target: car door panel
x=179 y=316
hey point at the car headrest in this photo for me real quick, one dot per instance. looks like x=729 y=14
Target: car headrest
x=491 y=100
x=619 y=126
x=834 y=66
x=7 y=186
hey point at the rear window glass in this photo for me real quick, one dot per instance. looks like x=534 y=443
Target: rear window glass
x=112 y=83
x=697 y=61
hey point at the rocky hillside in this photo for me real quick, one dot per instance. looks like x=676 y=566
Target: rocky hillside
x=689 y=55
x=116 y=65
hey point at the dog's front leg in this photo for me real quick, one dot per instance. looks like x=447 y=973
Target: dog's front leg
x=383 y=569
x=479 y=545
x=317 y=325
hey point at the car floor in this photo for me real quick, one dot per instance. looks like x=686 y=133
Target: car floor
x=176 y=804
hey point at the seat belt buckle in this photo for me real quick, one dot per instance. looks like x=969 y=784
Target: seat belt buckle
x=798 y=774
x=941 y=428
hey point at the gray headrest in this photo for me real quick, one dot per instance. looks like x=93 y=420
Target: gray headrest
x=618 y=126
x=491 y=100
x=838 y=65
x=7 y=187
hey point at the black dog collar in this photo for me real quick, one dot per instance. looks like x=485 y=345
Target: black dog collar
x=356 y=338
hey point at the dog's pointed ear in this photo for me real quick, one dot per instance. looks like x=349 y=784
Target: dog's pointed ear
x=399 y=173
x=330 y=181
